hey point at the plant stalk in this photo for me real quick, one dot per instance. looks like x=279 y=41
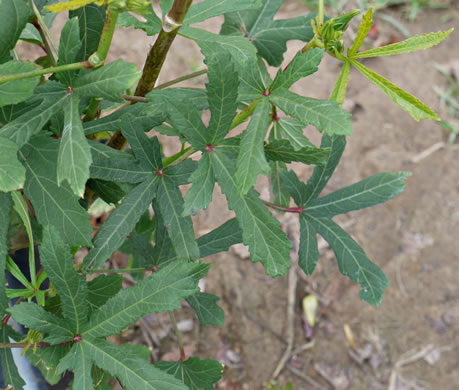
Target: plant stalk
x=41 y=72
x=179 y=336
x=244 y=115
x=98 y=58
x=40 y=25
x=183 y=78
x=296 y=210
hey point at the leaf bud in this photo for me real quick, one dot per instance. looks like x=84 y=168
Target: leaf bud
x=341 y=23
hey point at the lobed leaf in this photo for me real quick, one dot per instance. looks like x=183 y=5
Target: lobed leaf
x=162 y=291
x=5 y=209
x=302 y=65
x=251 y=160
x=296 y=188
x=69 y=47
x=308 y=252
x=368 y=192
x=56 y=257
x=12 y=172
x=195 y=373
x=418 y=42
x=339 y=91
x=9 y=368
x=364 y=28
x=417 y=109
x=254 y=80
x=74 y=157
x=151 y=25
x=352 y=260
x=220 y=239
x=13 y=92
x=80 y=362
x=281 y=150
x=53 y=204
x=280 y=194
x=291 y=130
x=120 y=223
x=324 y=115
x=206 y=308
x=101 y=289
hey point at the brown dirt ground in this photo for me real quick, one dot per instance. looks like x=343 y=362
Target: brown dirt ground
x=414 y=238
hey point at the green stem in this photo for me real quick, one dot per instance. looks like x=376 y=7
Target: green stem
x=244 y=115
x=40 y=72
x=93 y=109
x=46 y=44
x=98 y=58
x=178 y=335
x=296 y=210
x=183 y=78
x=320 y=14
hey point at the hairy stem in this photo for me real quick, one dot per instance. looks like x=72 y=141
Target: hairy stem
x=40 y=72
x=179 y=336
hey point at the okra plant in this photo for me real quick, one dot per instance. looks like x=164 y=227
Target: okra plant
x=75 y=130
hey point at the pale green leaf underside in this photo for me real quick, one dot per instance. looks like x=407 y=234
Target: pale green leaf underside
x=12 y=172
x=418 y=42
x=339 y=92
x=417 y=109
x=352 y=260
x=163 y=291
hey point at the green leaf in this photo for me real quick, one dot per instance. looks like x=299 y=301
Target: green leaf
x=120 y=223
x=134 y=372
x=56 y=257
x=352 y=260
x=368 y=192
x=269 y=36
x=163 y=250
x=74 y=158
x=20 y=130
x=291 y=130
x=418 y=42
x=15 y=14
x=80 y=362
x=199 y=195
x=260 y=230
x=197 y=374
x=222 y=92
x=33 y=316
x=47 y=360
x=91 y=19
x=118 y=170
x=17 y=91
x=69 y=47
x=162 y=291
x=54 y=205
x=220 y=239
x=322 y=175
x=211 y=8
x=12 y=173
x=254 y=80
x=417 y=109
x=101 y=289
x=9 y=369
x=180 y=229
x=5 y=209
x=281 y=150
x=364 y=28
x=324 y=115
x=302 y=65
x=280 y=194
x=251 y=160
x=107 y=190
x=107 y=82
x=206 y=308
x=297 y=189
x=240 y=48
x=147 y=150
x=151 y=26
x=339 y=92
x=308 y=252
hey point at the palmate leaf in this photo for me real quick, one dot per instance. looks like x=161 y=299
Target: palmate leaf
x=121 y=222
x=162 y=291
x=47 y=360
x=199 y=195
x=9 y=368
x=91 y=21
x=254 y=80
x=417 y=109
x=308 y=252
x=352 y=260
x=364 y=28
x=15 y=14
x=12 y=172
x=324 y=115
x=179 y=228
x=291 y=130
x=53 y=96
x=297 y=189
x=418 y=42
x=101 y=289
x=280 y=194
x=56 y=257
x=269 y=36
x=339 y=92
x=151 y=25
x=281 y=150
x=206 y=308
x=211 y=8
x=260 y=230
x=302 y=65
x=123 y=170
x=197 y=374
x=134 y=372
x=74 y=158
x=368 y=192
x=222 y=92
x=79 y=361
x=69 y=47
x=54 y=205
x=35 y=317
x=251 y=160
x=17 y=91
x=107 y=82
